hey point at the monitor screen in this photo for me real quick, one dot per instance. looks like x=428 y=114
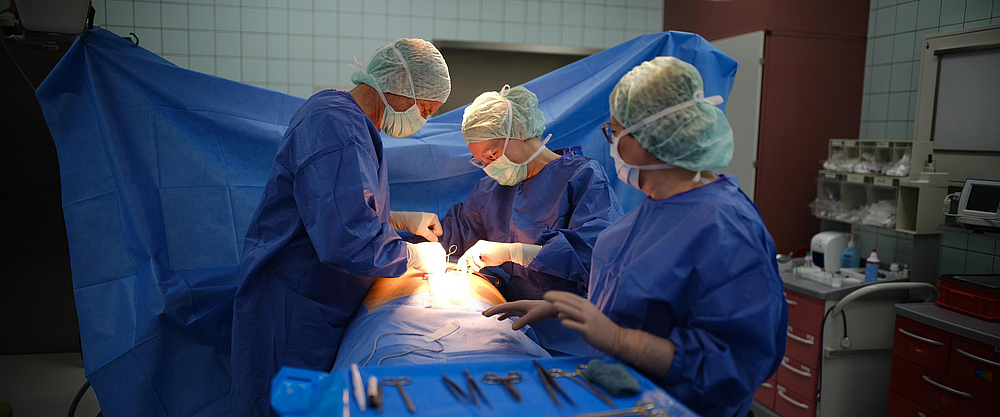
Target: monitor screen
x=984 y=198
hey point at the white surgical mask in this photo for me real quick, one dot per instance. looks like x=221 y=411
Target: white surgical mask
x=508 y=173
x=629 y=174
x=400 y=124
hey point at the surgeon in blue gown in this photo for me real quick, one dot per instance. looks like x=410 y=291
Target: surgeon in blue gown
x=323 y=231
x=537 y=213
x=685 y=287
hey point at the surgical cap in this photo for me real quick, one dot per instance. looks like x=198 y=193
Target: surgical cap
x=696 y=138
x=431 y=80
x=486 y=117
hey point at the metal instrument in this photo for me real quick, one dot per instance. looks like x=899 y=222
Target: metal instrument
x=551 y=386
x=399 y=382
x=456 y=391
x=474 y=390
x=508 y=382
x=374 y=394
x=581 y=380
x=451 y=251
x=642 y=408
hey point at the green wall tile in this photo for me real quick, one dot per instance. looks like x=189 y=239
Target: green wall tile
x=955 y=240
x=868 y=241
x=996 y=264
x=886 y=249
x=886 y=232
x=982 y=243
x=978 y=263
x=904 y=251
x=952 y=261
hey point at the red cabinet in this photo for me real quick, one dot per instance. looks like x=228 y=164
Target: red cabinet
x=797 y=377
x=790 y=404
x=936 y=373
x=765 y=394
x=804 y=313
x=803 y=346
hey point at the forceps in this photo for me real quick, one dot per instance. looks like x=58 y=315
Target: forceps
x=508 y=382
x=583 y=382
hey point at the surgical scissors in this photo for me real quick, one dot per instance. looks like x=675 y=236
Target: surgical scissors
x=642 y=408
x=508 y=382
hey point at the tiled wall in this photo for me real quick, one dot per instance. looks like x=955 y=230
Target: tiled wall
x=963 y=253
x=892 y=246
x=896 y=32
x=300 y=46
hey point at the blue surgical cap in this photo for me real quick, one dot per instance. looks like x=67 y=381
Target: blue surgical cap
x=697 y=137
x=429 y=72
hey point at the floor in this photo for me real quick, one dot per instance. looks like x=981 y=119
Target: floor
x=44 y=385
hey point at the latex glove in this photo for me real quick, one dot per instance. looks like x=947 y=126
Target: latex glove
x=427 y=257
x=426 y=225
x=485 y=253
x=642 y=350
x=529 y=312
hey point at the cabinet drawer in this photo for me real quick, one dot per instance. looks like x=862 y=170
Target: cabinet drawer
x=921 y=345
x=900 y=406
x=765 y=394
x=975 y=365
x=803 y=347
x=790 y=404
x=804 y=313
x=797 y=377
x=940 y=393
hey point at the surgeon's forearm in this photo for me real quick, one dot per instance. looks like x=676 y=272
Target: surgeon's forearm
x=644 y=351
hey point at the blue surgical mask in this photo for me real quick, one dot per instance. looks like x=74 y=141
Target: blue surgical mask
x=400 y=124
x=508 y=173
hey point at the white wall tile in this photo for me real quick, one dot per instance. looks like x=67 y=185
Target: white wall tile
x=147 y=14
x=879 y=107
x=532 y=12
x=572 y=14
x=228 y=68
x=423 y=8
x=422 y=27
x=328 y=5
x=277 y=21
x=867 y=84
x=277 y=46
x=900 y=77
x=300 y=22
x=468 y=10
x=593 y=15
x=253 y=3
x=918 y=42
x=513 y=33
x=635 y=19
x=300 y=72
x=615 y=18
x=613 y=37
x=175 y=42
x=254 y=70
x=284 y=3
x=884 y=3
x=531 y=34
x=227 y=18
x=227 y=44
x=325 y=48
x=202 y=17
x=551 y=13
x=254 y=45
x=150 y=39
x=572 y=35
x=277 y=71
x=550 y=35
x=374 y=25
x=325 y=74
x=202 y=43
x=871 y=23
x=447 y=9
x=369 y=45
x=300 y=4
x=399 y=27
x=902 y=47
x=896 y=130
x=398 y=7
x=375 y=6
x=175 y=15
x=468 y=30
x=513 y=11
x=906 y=17
x=899 y=106
x=876 y=130
x=350 y=24
x=120 y=13
x=304 y=91
x=492 y=32
x=996 y=8
x=654 y=21
x=950 y=28
x=178 y=60
x=227 y=3
x=928 y=13
x=356 y=6
x=885 y=21
x=883 y=50
x=253 y=20
x=880 y=78
x=300 y=47
x=446 y=29
x=205 y=65
x=346 y=47
x=952 y=12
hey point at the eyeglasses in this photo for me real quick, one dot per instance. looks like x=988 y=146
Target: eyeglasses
x=476 y=163
x=608 y=133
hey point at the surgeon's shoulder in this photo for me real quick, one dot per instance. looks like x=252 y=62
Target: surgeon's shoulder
x=329 y=108
x=584 y=167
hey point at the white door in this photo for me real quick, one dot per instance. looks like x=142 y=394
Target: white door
x=743 y=108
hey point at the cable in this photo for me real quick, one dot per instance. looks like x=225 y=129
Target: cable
x=4 y=43
x=375 y=347
x=76 y=400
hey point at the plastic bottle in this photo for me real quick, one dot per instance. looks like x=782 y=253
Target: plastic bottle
x=893 y=272
x=809 y=260
x=871 y=269
x=851 y=257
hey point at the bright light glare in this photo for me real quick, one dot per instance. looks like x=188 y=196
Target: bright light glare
x=450 y=290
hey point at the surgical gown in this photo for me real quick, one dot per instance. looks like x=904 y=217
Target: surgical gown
x=562 y=208
x=316 y=242
x=698 y=268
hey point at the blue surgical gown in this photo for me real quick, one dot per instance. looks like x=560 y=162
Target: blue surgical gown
x=562 y=208
x=316 y=242
x=698 y=268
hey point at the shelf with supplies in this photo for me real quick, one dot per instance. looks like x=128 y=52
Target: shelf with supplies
x=908 y=203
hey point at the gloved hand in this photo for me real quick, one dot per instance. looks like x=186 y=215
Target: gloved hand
x=642 y=350
x=426 y=225
x=427 y=257
x=529 y=311
x=485 y=253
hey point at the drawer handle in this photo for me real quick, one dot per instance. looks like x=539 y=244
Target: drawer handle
x=951 y=390
x=799 y=339
x=922 y=339
x=793 y=402
x=767 y=385
x=798 y=371
x=976 y=358
x=791 y=302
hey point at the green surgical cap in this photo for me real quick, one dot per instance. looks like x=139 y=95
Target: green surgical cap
x=431 y=80
x=696 y=138
x=486 y=117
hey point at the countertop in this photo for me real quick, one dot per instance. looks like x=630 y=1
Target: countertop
x=823 y=292
x=952 y=321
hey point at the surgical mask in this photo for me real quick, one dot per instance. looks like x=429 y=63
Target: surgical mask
x=509 y=173
x=400 y=124
x=629 y=174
